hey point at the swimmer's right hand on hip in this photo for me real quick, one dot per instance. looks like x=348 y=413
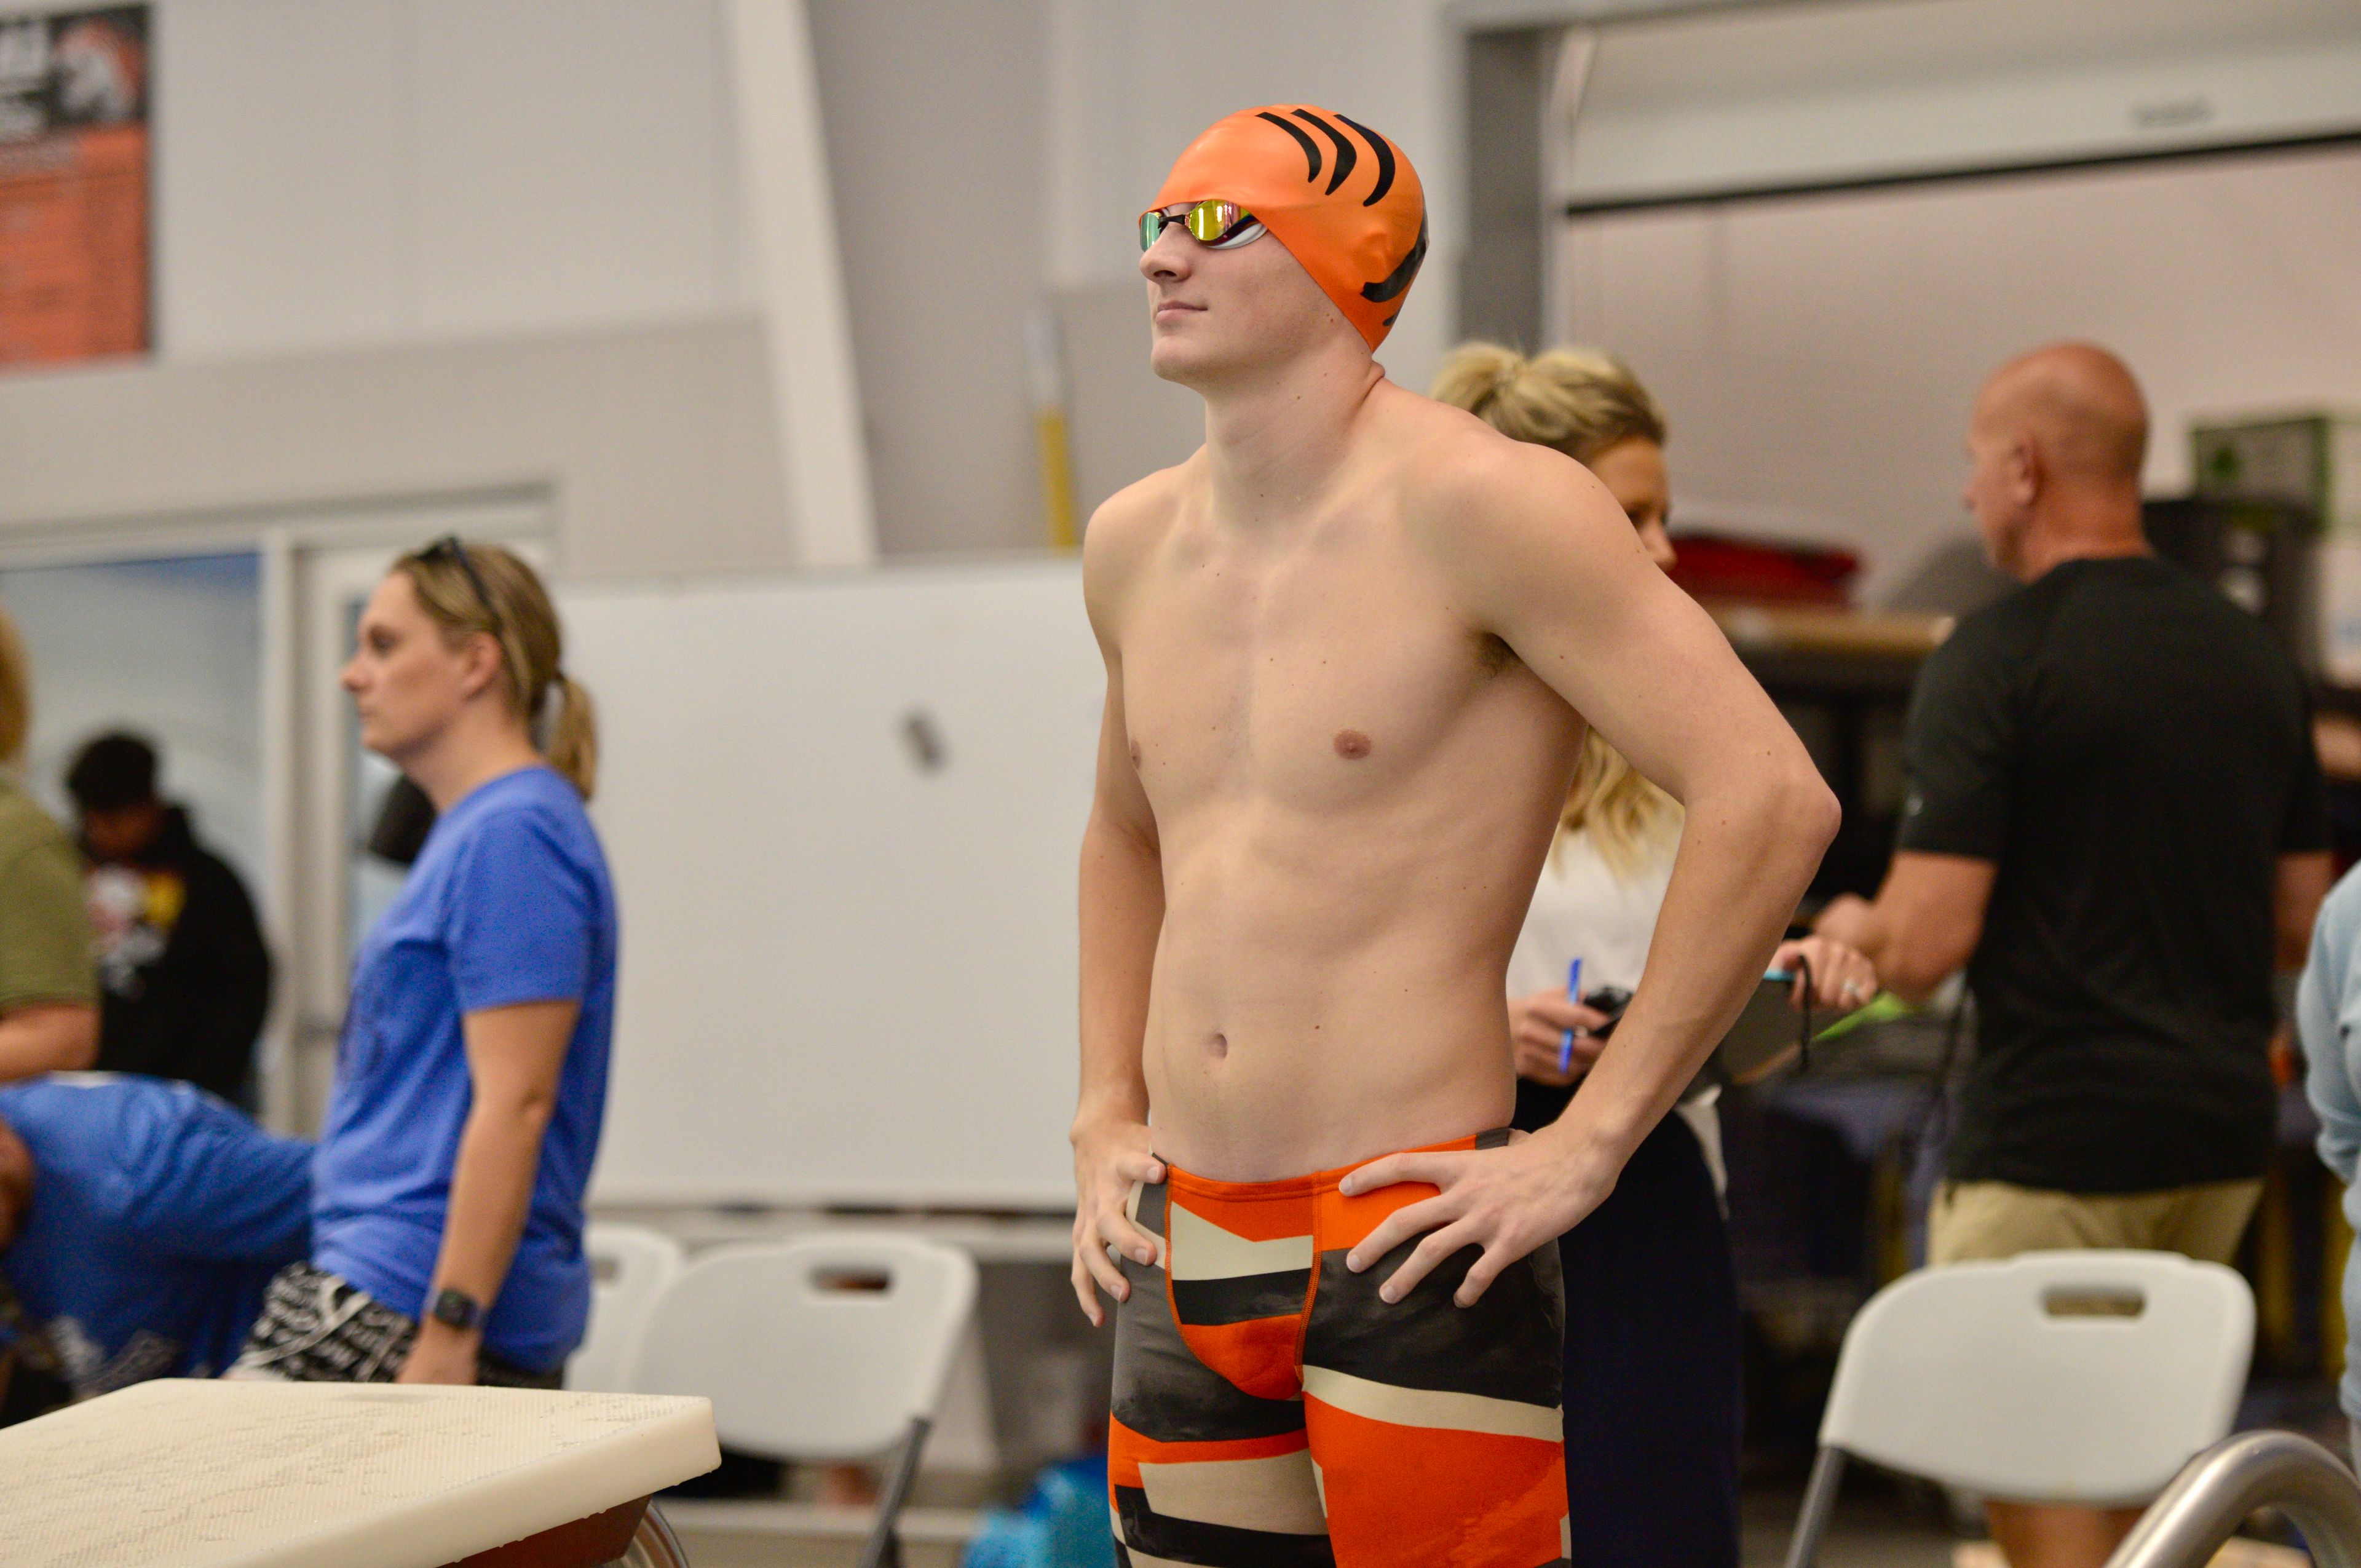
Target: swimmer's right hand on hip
x=1111 y=1157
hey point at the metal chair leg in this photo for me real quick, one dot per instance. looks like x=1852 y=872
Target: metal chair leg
x=885 y=1547
x=654 y=1545
x=1819 y=1501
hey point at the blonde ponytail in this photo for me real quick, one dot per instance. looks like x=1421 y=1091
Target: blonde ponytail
x=1579 y=400
x=1631 y=823
x=1474 y=377
x=572 y=748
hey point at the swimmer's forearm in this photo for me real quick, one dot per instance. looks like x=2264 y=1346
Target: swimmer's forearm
x=1745 y=859
x=1122 y=916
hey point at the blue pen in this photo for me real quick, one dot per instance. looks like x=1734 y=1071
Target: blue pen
x=1574 y=994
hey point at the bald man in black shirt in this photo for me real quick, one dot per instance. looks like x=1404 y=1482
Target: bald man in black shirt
x=2116 y=823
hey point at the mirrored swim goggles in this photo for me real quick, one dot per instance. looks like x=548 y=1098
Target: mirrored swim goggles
x=1214 y=223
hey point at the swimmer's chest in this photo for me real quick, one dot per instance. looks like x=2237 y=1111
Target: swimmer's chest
x=1315 y=677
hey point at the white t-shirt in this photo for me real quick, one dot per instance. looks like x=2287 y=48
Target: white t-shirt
x=1581 y=908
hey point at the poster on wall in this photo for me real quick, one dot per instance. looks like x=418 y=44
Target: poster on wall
x=73 y=183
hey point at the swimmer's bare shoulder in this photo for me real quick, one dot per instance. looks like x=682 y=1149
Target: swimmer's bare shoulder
x=1123 y=537
x=1472 y=493
x=1530 y=548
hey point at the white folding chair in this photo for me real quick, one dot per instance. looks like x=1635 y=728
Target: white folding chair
x=632 y=1266
x=2054 y=1376
x=831 y=1347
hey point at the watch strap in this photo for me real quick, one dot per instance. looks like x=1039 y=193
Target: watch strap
x=456 y=1308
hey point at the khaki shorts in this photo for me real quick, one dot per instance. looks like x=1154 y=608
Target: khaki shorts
x=1973 y=1221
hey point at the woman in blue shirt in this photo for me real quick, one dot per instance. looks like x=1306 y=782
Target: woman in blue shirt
x=472 y=1073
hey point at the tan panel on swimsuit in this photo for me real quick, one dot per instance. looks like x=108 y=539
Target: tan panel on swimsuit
x=1272 y=1493
x=1431 y=1408
x=1203 y=1250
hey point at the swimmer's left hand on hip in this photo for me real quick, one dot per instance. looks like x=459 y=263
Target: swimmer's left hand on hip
x=1507 y=1200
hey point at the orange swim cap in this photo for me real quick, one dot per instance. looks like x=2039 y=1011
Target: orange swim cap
x=1342 y=199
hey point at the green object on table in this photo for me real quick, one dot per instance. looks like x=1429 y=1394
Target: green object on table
x=1884 y=1008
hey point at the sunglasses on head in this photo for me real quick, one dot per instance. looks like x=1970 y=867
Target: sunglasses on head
x=448 y=548
x=1215 y=223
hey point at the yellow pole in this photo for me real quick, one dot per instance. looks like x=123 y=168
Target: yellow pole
x=1057 y=476
x=1045 y=361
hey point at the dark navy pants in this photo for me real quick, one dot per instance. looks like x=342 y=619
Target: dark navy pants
x=1652 y=1373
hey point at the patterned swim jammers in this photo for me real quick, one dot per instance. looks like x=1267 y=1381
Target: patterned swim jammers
x=1270 y=1409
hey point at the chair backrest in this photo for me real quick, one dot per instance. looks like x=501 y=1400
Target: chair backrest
x=822 y=1348
x=2053 y=1376
x=631 y=1267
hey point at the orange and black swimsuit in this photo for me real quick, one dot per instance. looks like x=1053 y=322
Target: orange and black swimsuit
x=1270 y=1409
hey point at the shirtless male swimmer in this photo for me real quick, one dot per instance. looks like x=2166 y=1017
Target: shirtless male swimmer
x=1351 y=645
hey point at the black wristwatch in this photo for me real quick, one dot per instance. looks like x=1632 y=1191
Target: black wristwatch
x=456 y=1308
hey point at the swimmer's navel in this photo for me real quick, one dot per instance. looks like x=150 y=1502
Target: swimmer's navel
x=1218 y=1047
x=1352 y=745
x=1135 y=754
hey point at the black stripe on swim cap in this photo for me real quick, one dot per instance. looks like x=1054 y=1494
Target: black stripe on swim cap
x=1385 y=162
x=1399 y=279
x=1311 y=152
x=1346 y=155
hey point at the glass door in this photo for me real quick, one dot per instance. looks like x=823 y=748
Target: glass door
x=170 y=648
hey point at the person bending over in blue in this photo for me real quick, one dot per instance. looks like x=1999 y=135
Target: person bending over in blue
x=140 y=1220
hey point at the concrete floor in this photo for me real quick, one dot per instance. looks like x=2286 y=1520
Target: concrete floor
x=1879 y=1523
x=1856 y=1544
x=1876 y=1527
x=737 y=1549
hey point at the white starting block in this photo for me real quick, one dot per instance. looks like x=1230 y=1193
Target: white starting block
x=180 y=1473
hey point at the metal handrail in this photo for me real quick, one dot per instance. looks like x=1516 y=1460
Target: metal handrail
x=654 y=1545
x=2215 y=1491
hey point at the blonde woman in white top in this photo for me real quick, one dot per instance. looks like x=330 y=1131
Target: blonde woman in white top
x=1652 y=1392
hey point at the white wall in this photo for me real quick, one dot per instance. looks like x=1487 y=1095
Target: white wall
x=340 y=172
x=934 y=121
x=338 y=178
x=650 y=445
x=1816 y=356
x=1798 y=95
x=413 y=249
